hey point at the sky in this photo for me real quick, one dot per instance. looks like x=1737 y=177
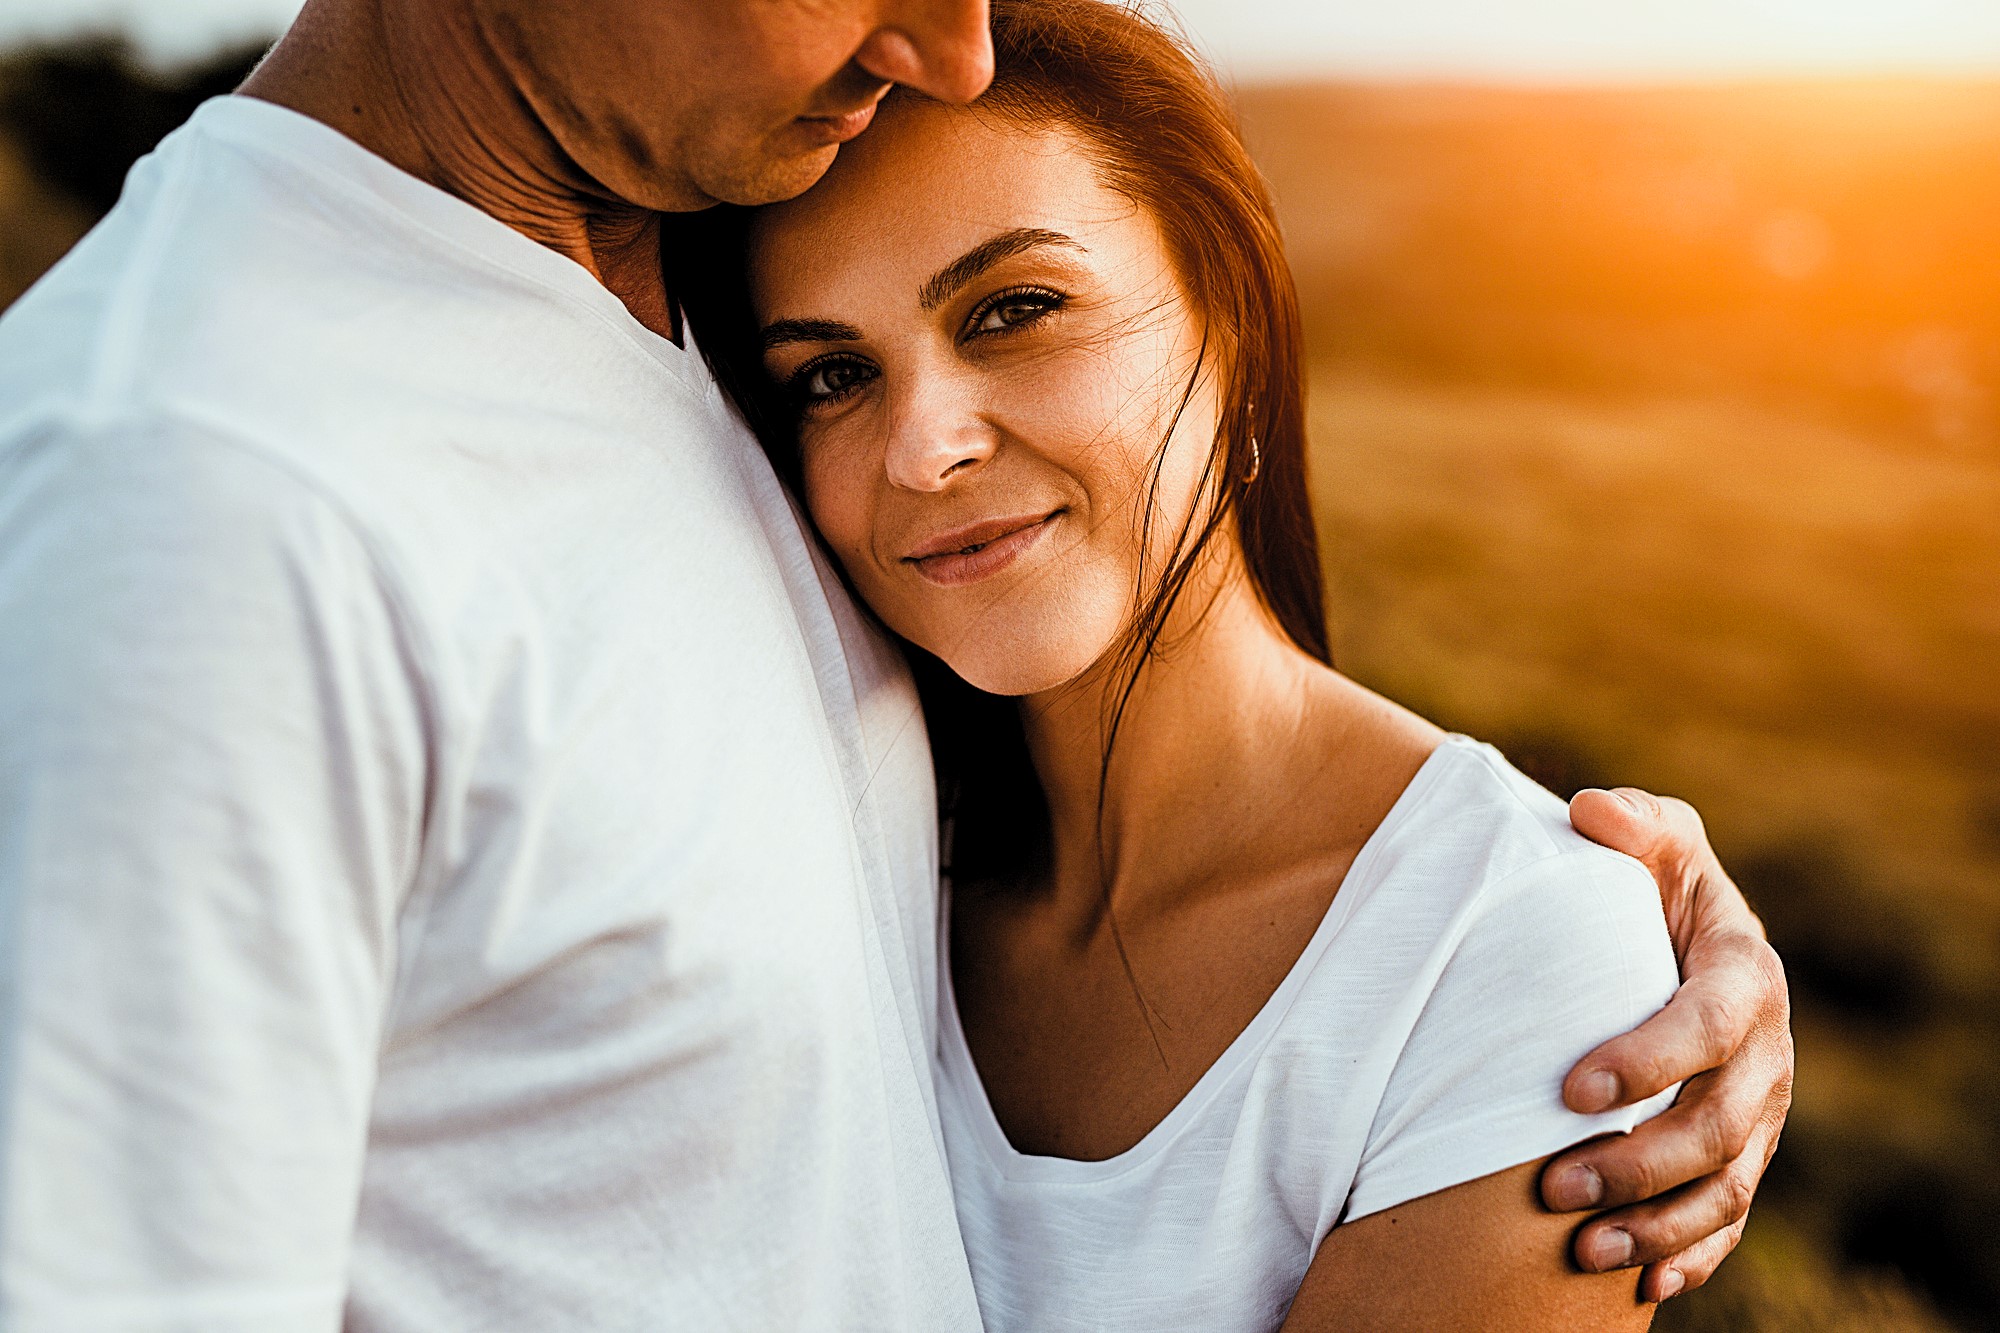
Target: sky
x=1509 y=40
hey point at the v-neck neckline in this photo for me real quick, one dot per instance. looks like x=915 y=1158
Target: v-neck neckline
x=958 y=1066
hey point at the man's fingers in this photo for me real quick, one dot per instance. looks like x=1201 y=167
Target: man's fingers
x=1715 y=1120
x=1661 y=1228
x=1682 y=1183
x=1703 y=1025
x=1726 y=1195
x=1690 y=1268
x=1660 y=831
x=1626 y=820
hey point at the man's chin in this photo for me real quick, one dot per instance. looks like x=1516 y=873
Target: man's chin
x=774 y=179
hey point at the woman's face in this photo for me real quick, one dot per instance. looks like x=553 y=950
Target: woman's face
x=987 y=348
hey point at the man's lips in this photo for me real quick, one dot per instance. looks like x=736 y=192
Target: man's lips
x=841 y=128
x=973 y=552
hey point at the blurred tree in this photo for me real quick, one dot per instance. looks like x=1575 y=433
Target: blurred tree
x=82 y=112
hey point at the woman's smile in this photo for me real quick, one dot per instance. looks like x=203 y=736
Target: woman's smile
x=979 y=550
x=980 y=340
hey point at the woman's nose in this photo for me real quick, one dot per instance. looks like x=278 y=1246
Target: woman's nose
x=932 y=444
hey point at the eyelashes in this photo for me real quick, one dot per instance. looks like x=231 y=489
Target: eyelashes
x=1015 y=308
x=828 y=379
x=836 y=376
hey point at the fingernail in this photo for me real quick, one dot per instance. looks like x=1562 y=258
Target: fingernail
x=1576 y=1186
x=1608 y=1249
x=1671 y=1283
x=1597 y=1091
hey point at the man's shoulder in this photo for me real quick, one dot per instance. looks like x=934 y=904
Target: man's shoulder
x=292 y=326
x=147 y=489
x=153 y=567
x=259 y=264
x=204 y=273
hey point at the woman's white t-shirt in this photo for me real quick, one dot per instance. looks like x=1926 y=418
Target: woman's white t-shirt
x=1476 y=950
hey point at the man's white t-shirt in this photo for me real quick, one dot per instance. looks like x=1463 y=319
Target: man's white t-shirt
x=1478 y=948
x=464 y=864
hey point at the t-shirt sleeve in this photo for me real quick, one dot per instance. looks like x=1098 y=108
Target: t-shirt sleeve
x=1555 y=958
x=212 y=779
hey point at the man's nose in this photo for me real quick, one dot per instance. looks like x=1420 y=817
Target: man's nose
x=942 y=48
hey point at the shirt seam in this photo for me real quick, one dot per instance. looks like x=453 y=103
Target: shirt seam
x=114 y=343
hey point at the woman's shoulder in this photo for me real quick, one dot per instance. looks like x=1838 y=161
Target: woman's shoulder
x=1454 y=849
x=1542 y=900
x=1519 y=946
x=1474 y=837
x=1436 y=810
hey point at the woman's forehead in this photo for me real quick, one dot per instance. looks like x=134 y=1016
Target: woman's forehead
x=925 y=183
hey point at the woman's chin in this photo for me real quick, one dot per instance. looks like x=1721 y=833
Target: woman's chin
x=1000 y=668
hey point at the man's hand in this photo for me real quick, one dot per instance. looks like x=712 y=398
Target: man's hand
x=1680 y=1185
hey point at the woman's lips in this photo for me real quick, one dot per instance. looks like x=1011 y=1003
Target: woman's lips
x=981 y=550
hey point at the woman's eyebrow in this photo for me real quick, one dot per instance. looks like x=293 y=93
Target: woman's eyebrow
x=937 y=289
x=944 y=283
x=780 y=332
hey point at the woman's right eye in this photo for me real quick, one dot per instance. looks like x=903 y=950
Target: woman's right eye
x=828 y=379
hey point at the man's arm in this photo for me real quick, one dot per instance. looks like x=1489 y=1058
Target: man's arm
x=212 y=768
x=1680 y=1185
x=1482 y=1257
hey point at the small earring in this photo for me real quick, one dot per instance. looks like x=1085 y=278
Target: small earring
x=1256 y=462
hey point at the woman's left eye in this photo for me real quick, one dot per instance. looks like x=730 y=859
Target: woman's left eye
x=1011 y=310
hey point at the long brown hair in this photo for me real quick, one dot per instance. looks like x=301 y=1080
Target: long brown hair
x=1164 y=135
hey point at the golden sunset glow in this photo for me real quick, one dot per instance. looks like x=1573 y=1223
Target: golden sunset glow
x=1479 y=39
x=1654 y=431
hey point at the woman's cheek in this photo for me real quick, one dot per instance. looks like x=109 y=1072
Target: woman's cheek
x=1068 y=410
x=839 y=488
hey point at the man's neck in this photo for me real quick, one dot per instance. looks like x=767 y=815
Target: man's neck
x=419 y=86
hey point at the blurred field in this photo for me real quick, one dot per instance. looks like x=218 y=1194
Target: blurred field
x=1657 y=438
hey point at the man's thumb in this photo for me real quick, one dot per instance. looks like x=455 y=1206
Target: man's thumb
x=1625 y=819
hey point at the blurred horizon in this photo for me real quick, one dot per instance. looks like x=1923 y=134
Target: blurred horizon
x=1655 y=433
x=1549 y=42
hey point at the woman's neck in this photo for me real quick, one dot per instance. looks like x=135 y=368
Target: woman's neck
x=1199 y=748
